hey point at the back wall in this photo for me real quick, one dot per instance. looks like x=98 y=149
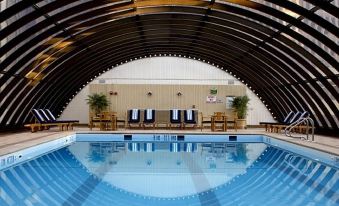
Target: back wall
x=164 y=97
x=174 y=74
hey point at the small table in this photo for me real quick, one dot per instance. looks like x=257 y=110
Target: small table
x=219 y=119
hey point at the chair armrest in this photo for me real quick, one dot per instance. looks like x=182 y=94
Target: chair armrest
x=206 y=118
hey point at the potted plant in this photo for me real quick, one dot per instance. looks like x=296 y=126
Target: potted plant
x=97 y=102
x=240 y=106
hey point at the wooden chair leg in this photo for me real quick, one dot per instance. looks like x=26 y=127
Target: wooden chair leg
x=278 y=129
x=33 y=128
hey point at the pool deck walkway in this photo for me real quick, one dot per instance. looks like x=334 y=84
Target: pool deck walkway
x=12 y=142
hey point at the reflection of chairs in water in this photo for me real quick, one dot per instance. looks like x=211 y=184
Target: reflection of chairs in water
x=219 y=150
x=120 y=146
x=104 y=148
x=206 y=147
x=231 y=150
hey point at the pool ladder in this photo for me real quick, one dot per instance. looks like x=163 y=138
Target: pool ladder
x=308 y=121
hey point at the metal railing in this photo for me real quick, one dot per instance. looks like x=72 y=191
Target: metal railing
x=307 y=122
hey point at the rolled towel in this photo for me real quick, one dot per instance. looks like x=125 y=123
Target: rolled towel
x=175 y=114
x=149 y=114
x=135 y=114
x=189 y=114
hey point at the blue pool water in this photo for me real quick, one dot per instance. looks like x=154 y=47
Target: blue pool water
x=167 y=173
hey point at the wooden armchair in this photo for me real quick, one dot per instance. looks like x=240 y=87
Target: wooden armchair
x=105 y=120
x=93 y=120
x=232 y=120
x=219 y=121
x=205 y=120
x=121 y=120
x=110 y=120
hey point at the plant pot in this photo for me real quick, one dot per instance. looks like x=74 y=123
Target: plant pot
x=241 y=123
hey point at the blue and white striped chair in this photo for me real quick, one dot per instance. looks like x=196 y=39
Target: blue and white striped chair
x=175 y=118
x=190 y=118
x=133 y=117
x=149 y=118
x=44 y=119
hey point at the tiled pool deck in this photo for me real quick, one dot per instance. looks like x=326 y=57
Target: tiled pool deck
x=11 y=142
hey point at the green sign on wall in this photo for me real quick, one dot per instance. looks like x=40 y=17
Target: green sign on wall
x=214 y=91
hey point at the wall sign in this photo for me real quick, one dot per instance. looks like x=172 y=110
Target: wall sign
x=213 y=91
x=211 y=99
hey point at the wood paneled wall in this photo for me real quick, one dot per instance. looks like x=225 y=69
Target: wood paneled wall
x=165 y=96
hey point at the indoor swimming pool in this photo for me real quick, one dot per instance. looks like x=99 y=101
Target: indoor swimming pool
x=171 y=170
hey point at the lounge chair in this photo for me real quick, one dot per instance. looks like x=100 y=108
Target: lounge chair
x=52 y=118
x=190 y=118
x=298 y=116
x=175 y=118
x=133 y=117
x=42 y=121
x=149 y=118
x=268 y=125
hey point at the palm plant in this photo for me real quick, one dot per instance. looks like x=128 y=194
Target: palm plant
x=240 y=104
x=97 y=102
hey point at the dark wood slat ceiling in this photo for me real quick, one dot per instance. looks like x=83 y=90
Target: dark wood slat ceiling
x=49 y=54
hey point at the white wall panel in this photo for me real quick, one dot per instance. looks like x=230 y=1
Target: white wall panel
x=165 y=70
x=257 y=111
x=78 y=108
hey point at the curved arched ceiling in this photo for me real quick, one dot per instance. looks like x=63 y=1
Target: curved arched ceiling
x=285 y=52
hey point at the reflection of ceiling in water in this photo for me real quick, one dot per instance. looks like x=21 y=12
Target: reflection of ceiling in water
x=166 y=169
